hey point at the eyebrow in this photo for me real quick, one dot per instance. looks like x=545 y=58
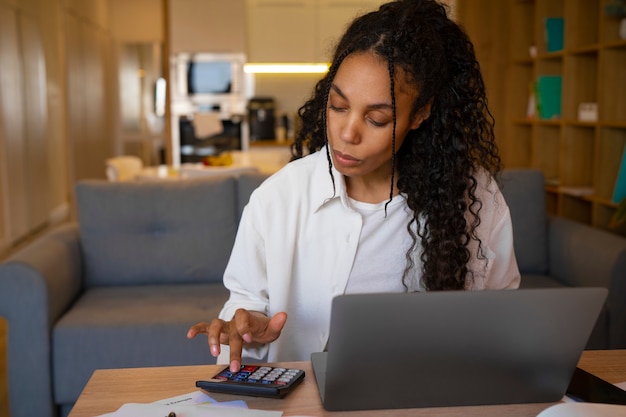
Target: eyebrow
x=374 y=106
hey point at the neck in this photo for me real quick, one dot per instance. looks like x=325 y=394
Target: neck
x=368 y=190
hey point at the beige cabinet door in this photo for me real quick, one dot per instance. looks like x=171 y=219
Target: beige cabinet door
x=281 y=30
x=334 y=18
x=207 y=26
x=299 y=30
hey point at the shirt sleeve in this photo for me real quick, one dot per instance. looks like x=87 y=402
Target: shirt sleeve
x=246 y=278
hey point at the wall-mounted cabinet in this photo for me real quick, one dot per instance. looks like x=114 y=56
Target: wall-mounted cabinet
x=580 y=157
x=298 y=30
x=206 y=26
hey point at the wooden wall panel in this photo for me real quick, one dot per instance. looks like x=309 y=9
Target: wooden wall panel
x=74 y=95
x=89 y=98
x=12 y=141
x=485 y=21
x=35 y=106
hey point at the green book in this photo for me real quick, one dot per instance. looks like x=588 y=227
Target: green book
x=619 y=192
x=555 y=28
x=548 y=96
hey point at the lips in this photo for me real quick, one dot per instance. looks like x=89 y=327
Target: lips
x=345 y=160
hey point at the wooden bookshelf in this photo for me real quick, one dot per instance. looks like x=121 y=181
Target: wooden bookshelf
x=580 y=159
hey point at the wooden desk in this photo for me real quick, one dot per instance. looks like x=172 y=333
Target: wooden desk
x=107 y=390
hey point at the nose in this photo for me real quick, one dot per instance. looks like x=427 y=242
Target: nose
x=350 y=130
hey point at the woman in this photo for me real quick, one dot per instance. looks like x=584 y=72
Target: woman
x=398 y=192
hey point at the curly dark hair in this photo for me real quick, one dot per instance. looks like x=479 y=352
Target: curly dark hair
x=438 y=162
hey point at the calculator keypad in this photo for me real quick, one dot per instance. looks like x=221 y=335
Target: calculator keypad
x=265 y=375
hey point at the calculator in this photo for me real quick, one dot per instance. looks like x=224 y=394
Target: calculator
x=254 y=380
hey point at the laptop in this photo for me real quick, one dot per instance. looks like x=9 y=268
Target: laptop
x=454 y=348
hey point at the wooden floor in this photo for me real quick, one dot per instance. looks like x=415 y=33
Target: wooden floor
x=4 y=394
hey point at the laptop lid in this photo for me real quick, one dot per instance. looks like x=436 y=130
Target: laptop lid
x=454 y=348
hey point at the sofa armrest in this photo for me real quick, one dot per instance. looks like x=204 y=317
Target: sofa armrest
x=581 y=255
x=37 y=285
x=585 y=256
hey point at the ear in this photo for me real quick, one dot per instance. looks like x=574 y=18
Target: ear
x=422 y=114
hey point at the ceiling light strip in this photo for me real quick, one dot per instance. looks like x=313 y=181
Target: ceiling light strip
x=285 y=68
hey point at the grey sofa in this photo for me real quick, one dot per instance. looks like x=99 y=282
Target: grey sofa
x=121 y=290
x=553 y=251
x=147 y=261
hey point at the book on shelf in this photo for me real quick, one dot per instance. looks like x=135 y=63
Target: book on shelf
x=619 y=192
x=548 y=96
x=555 y=28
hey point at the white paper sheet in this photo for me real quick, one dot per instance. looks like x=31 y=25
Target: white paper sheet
x=193 y=398
x=212 y=410
x=186 y=402
x=574 y=409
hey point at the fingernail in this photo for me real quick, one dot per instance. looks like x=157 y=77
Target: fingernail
x=247 y=338
x=235 y=366
x=215 y=350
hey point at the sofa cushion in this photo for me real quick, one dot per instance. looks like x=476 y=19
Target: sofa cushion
x=523 y=190
x=131 y=326
x=156 y=232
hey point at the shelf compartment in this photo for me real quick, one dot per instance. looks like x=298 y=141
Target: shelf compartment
x=581 y=23
x=612 y=85
x=574 y=208
x=545 y=150
x=521 y=15
x=519 y=84
x=602 y=217
x=609 y=25
x=552 y=201
x=610 y=148
x=515 y=149
x=543 y=10
x=577 y=150
x=549 y=64
x=579 y=83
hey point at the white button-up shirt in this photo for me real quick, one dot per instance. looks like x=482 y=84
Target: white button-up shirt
x=296 y=244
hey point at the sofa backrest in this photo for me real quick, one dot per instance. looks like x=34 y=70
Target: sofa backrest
x=524 y=192
x=246 y=183
x=157 y=232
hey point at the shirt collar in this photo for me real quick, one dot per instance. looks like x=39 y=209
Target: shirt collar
x=322 y=184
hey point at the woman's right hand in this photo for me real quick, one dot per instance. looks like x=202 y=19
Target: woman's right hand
x=247 y=328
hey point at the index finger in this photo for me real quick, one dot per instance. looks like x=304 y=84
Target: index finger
x=236 y=348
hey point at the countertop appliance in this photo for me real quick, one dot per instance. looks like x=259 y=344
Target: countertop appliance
x=261 y=118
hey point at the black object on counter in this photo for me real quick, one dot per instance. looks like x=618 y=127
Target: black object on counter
x=261 y=118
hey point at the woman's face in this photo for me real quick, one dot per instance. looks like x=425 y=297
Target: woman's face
x=360 y=116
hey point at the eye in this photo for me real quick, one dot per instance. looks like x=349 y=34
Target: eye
x=333 y=107
x=377 y=123
x=378 y=118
